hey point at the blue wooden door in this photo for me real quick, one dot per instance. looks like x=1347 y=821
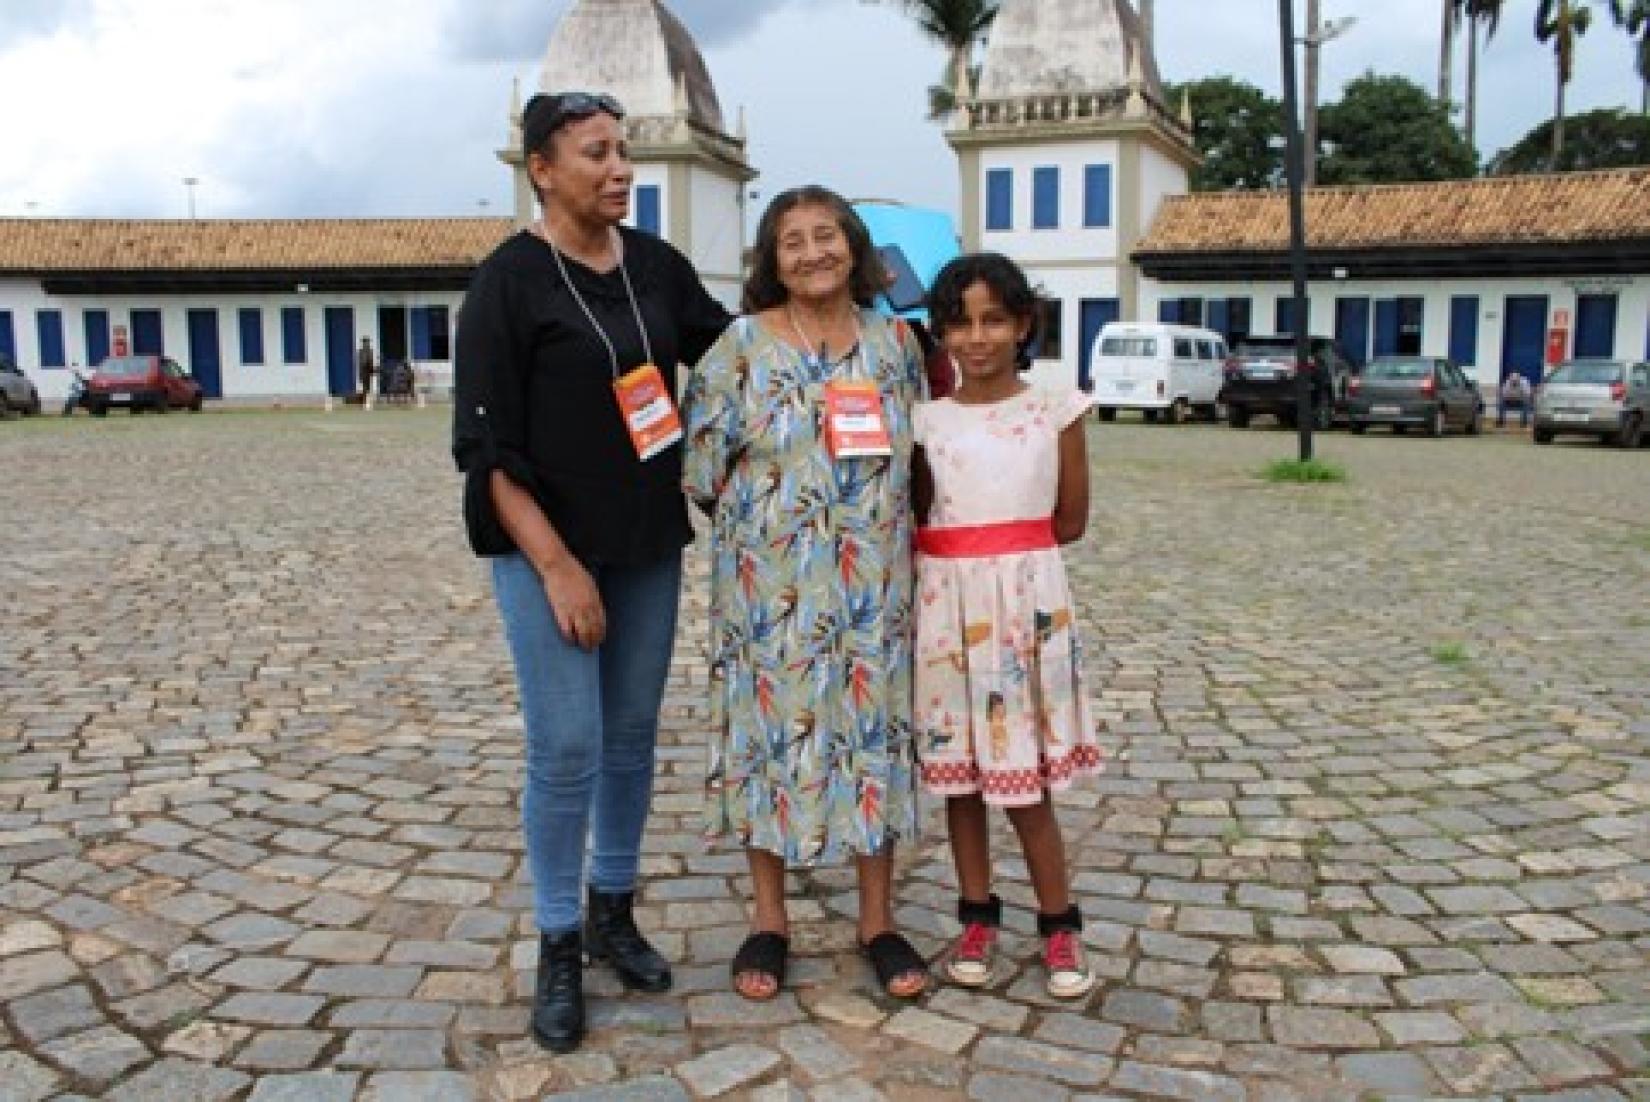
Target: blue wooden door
x=205 y=357
x=97 y=336
x=1524 y=336
x=340 y=326
x=148 y=337
x=1352 y=329
x=1094 y=314
x=1386 y=327
x=1596 y=327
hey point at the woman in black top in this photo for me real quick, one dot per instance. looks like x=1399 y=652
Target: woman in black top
x=568 y=346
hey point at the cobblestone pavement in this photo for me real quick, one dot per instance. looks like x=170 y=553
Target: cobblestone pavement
x=1375 y=823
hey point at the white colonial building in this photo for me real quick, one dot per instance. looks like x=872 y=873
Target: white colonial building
x=274 y=309
x=1066 y=151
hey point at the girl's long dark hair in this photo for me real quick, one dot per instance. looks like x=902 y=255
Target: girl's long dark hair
x=1008 y=284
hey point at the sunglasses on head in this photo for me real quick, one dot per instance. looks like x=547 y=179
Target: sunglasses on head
x=571 y=106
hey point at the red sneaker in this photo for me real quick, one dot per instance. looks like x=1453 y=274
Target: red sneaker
x=1069 y=974
x=970 y=962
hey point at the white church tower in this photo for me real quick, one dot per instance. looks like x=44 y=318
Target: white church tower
x=1066 y=150
x=690 y=171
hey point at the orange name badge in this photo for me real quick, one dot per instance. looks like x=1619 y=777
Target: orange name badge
x=854 y=424
x=649 y=413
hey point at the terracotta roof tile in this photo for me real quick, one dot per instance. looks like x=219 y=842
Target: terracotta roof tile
x=1573 y=207
x=47 y=245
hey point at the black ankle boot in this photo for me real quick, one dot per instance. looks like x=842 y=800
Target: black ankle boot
x=610 y=934
x=558 y=1000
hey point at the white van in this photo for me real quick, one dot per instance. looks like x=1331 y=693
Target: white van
x=1167 y=371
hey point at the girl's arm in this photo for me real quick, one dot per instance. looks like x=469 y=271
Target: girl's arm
x=1071 y=505
x=922 y=485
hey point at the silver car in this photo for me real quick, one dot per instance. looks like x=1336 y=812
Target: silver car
x=16 y=391
x=1607 y=399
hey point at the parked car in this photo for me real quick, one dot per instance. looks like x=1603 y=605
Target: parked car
x=1260 y=378
x=1427 y=392
x=1167 y=371
x=17 y=392
x=156 y=383
x=1609 y=399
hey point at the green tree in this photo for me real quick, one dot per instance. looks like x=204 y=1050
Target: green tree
x=1608 y=138
x=957 y=25
x=1561 y=23
x=1234 y=126
x=1633 y=16
x=1387 y=129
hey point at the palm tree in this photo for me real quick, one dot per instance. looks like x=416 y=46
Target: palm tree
x=1451 y=11
x=1562 y=22
x=1487 y=12
x=1634 y=17
x=958 y=25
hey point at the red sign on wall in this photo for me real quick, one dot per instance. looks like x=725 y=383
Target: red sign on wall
x=1558 y=344
x=123 y=347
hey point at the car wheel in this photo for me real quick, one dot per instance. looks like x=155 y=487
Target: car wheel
x=195 y=404
x=161 y=405
x=5 y=407
x=1475 y=424
x=1238 y=416
x=1439 y=423
x=1400 y=430
x=1107 y=414
x=98 y=409
x=1631 y=433
x=1357 y=428
x=1174 y=414
x=1209 y=413
x=1151 y=416
x=1543 y=436
x=33 y=409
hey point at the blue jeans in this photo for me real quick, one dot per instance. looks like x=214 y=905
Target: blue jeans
x=592 y=720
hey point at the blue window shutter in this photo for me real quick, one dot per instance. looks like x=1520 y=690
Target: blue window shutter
x=96 y=324
x=50 y=325
x=1284 y=320
x=1097 y=196
x=8 y=338
x=649 y=218
x=420 y=318
x=999 y=199
x=148 y=333
x=1168 y=311
x=1595 y=326
x=292 y=335
x=252 y=335
x=1386 y=327
x=1045 y=198
x=1463 y=330
x=1219 y=316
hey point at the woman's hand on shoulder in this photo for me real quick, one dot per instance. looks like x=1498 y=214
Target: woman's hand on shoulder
x=576 y=602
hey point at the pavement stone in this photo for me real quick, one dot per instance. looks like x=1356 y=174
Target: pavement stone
x=270 y=823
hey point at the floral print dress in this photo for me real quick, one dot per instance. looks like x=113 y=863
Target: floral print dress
x=1001 y=705
x=811 y=751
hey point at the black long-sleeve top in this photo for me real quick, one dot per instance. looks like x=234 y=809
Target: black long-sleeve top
x=533 y=395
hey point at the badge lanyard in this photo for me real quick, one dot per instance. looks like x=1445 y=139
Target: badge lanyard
x=855 y=426
x=644 y=401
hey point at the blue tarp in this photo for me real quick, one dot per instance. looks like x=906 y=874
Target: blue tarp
x=928 y=239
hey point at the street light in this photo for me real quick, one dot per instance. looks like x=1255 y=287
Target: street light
x=189 y=182
x=1316 y=36
x=1295 y=171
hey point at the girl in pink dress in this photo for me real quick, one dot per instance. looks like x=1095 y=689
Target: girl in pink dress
x=1001 y=713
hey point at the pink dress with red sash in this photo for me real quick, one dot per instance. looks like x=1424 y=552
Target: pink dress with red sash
x=1001 y=705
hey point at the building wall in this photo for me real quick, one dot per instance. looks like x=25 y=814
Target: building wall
x=1160 y=177
x=718 y=233
x=274 y=378
x=1632 y=330
x=1071 y=286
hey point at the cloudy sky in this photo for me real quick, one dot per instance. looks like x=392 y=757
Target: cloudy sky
x=394 y=107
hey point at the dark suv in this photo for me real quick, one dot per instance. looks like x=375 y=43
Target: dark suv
x=1260 y=378
x=16 y=391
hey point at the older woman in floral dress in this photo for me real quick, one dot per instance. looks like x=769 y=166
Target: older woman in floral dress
x=799 y=447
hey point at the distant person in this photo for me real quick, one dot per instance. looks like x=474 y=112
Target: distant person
x=366 y=366
x=571 y=341
x=1515 y=394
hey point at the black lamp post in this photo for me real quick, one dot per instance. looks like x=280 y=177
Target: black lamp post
x=1296 y=171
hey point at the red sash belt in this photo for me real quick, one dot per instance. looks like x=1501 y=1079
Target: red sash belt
x=979 y=540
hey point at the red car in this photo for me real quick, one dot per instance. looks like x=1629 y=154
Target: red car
x=141 y=382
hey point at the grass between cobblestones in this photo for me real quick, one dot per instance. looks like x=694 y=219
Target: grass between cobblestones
x=1304 y=470
x=1450 y=654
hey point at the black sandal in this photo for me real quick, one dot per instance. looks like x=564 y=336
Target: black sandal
x=891 y=957
x=762 y=954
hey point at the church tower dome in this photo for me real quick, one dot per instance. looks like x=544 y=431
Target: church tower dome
x=691 y=171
